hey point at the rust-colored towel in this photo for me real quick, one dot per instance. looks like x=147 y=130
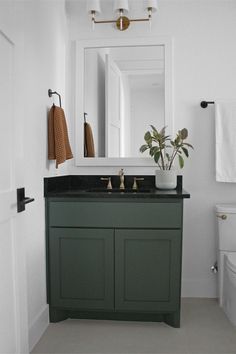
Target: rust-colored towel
x=89 y=150
x=58 y=141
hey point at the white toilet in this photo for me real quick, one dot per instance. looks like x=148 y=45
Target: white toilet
x=226 y=258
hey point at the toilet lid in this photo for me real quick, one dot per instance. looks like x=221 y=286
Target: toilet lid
x=226 y=208
x=231 y=261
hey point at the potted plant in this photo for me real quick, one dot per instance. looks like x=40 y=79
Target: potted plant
x=164 y=152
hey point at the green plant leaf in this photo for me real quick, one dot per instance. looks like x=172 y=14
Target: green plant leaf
x=143 y=148
x=157 y=156
x=168 y=156
x=188 y=145
x=185 y=151
x=163 y=149
x=153 y=128
x=183 y=133
x=153 y=150
x=148 y=137
x=177 y=140
x=156 y=135
x=181 y=161
x=162 y=131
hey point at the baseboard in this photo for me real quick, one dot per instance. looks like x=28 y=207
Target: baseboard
x=38 y=327
x=199 y=288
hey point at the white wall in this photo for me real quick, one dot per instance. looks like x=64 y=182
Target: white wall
x=204 y=64
x=44 y=63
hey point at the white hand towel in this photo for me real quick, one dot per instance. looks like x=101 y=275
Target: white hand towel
x=225 y=127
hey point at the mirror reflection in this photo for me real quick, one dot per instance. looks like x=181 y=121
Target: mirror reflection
x=124 y=92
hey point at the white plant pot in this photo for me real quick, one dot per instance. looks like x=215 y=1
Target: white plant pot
x=166 y=179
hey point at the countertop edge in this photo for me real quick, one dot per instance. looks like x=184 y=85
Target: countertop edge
x=155 y=194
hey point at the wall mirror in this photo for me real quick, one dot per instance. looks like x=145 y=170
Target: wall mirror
x=122 y=86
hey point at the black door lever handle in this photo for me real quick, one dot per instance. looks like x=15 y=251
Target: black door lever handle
x=27 y=200
x=22 y=200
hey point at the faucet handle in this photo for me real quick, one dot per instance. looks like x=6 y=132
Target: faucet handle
x=122 y=179
x=135 y=186
x=121 y=172
x=109 y=185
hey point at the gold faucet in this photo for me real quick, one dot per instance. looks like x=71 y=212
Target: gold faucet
x=135 y=186
x=122 y=179
x=109 y=185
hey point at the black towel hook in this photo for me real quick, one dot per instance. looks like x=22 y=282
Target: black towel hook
x=204 y=104
x=50 y=93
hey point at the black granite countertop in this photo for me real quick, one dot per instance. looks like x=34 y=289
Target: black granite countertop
x=92 y=187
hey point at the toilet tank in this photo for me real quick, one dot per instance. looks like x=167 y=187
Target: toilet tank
x=226 y=217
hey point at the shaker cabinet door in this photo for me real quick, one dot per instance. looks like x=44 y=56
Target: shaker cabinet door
x=147 y=270
x=81 y=268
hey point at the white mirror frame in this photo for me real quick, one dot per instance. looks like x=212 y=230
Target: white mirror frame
x=81 y=45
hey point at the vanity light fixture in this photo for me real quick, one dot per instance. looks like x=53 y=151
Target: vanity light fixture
x=122 y=7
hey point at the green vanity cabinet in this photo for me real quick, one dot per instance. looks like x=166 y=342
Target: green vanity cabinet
x=114 y=258
x=81 y=267
x=147 y=269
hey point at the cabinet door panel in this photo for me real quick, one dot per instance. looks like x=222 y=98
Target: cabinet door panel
x=148 y=270
x=81 y=268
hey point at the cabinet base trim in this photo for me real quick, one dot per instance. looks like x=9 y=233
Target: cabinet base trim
x=172 y=318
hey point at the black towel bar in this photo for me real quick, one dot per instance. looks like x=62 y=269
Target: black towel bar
x=50 y=93
x=204 y=104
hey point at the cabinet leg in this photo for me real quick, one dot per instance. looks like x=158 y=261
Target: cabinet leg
x=56 y=315
x=173 y=319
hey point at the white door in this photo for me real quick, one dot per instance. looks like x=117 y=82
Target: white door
x=13 y=291
x=113 y=122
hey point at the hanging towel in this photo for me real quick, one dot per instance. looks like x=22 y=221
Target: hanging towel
x=225 y=128
x=89 y=150
x=58 y=141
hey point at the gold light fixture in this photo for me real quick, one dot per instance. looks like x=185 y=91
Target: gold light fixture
x=122 y=7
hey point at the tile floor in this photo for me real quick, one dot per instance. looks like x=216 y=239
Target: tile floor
x=204 y=330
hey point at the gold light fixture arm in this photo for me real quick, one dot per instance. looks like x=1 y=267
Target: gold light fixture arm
x=123 y=22
x=139 y=19
x=104 y=21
